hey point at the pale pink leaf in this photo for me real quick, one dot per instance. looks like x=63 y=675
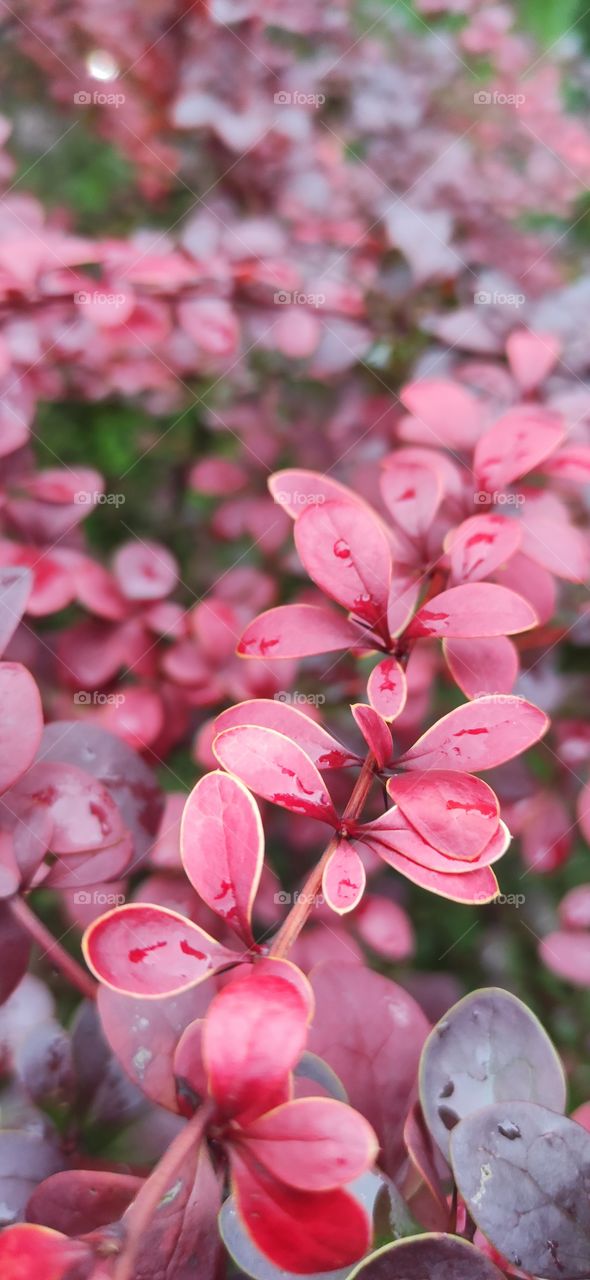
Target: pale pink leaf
x=475 y=609
x=479 y=735
x=531 y=356
x=345 y=552
x=387 y=688
x=294 y=490
x=557 y=545
x=385 y=927
x=21 y=721
x=412 y=493
x=298 y=631
x=344 y=879
x=517 y=443
x=276 y=769
x=145 y=570
x=481 y=544
x=278 y=713
x=222 y=848
x=482 y=666
x=448 y=413
x=572 y=463
x=568 y=955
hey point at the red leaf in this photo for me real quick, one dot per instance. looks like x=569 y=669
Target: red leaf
x=476 y=609
x=393 y=834
x=455 y=812
x=531 y=356
x=21 y=721
x=479 y=735
x=345 y=552
x=222 y=848
x=480 y=544
x=344 y=879
x=298 y=631
x=276 y=769
x=520 y=440
x=83 y=813
x=484 y=666
x=254 y=1035
x=144 y=950
x=375 y=731
x=387 y=688
x=144 y=1034
x=29 y=1252
x=274 y=713
x=313 y=1144
x=412 y=493
x=299 y=1231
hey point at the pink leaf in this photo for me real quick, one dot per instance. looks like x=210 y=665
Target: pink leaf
x=144 y=1034
x=479 y=735
x=145 y=570
x=447 y=412
x=572 y=463
x=222 y=848
x=455 y=812
x=574 y=909
x=297 y=631
x=254 y=1035
x=144 y=950
x=21 y=721
x=385 y=927
x=532 y=582
x=276 y=769
x=274 y=713
x=584 y=812
x=476 y=609
x=313 y=1144
x=300 y=1231
x=295 y=490
x=475 y=887
x=412 y=493
x=344 y=879
x=403 y=596
x=387 y=688
x=557 y=545
x=375 y=731
x=28 y=1251
x=481 y=544
x=392 y=834
x=15 y=588
x=568 y=955
x=531 y=356
x=345 y=552
x=516 y=444
x=83 y=813
x=484 y=666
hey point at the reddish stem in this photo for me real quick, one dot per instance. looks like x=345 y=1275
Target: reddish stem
x=150 y=1195
x=50 y=947
x=292 y=926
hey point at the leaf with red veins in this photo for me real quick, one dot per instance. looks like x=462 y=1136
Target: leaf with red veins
x=150 y=951
x=478 y=735
x=254 y=1035
x=301 y=1231
x=412 y=492
x=486 y=665
x=387 y=688
x=344 y=879
x=272 y=713
x=345 y=551
x=295 y=490
x=299 y=631
x=313 y=1144
x=481 y=544
x=516 y=444
x=531 y=356
x=222 y=848
x=21 y=720
x=29 y=1252
x=455 y=812
x=275 y=768
x=474 y=609
x=392 y=833
x=375 y=731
